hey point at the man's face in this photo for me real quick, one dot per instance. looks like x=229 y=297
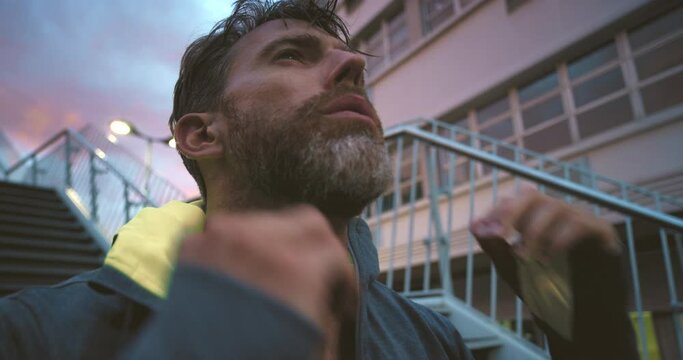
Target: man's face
x=297 y=124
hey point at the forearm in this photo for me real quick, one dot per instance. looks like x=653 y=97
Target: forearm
x=208 y=315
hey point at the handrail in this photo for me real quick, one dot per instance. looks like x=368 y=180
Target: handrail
x=90 y=149
x=421 y=122
x=539 y=176
x=35 y=152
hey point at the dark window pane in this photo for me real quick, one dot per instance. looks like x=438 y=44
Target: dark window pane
x=491 y=110
x=435 y=12
x=657 y=28
x=541 y=112
x=598 y=87
x=663 y=94
x=538 y=87
x=593 y=60
x=398 y=35
x=551 y=138
x=501 y=130
x=375 y=47
x=660 y=59
x=604 y=117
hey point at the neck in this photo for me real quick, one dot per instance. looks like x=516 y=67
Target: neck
x=251 y=201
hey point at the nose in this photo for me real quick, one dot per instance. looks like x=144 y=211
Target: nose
x=347 y=69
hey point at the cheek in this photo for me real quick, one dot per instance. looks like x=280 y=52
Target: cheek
x=274 y=95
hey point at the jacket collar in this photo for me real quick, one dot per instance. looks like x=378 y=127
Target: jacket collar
x=141 y=263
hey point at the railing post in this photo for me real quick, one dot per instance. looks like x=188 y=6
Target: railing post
x=34 y=170
x=442 y=242
x=93 y=188
x=126 y=199
x=67 y=162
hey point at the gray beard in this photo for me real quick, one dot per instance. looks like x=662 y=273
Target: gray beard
x=289 y=161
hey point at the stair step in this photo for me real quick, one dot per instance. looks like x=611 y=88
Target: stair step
x=39 y=233
x=49 y=245
x=62 y=215
x=30 y=192
x=40 y=259
x=21 y=273
x=10 y=201
x=23 y=220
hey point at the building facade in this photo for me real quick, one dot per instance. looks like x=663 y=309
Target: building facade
x=596 y=83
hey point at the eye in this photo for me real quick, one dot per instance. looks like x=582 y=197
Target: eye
x=290 y=54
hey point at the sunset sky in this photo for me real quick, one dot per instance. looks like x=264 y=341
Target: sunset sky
x=67 y=63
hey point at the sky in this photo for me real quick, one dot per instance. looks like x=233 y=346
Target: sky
x=68 y=63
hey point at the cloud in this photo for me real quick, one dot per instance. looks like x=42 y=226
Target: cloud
x=67 y=63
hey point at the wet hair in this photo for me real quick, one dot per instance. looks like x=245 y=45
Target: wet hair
x=205 y=66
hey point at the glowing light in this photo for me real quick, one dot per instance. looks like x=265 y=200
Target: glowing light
x=171 y=143
x=120 y=127
x=100 y=154
x=112 y=139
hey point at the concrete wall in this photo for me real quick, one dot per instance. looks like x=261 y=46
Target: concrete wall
x=479 y=51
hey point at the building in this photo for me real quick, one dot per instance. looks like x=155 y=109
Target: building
x=594 y=83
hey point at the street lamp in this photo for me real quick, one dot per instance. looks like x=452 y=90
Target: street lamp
x=123 y=127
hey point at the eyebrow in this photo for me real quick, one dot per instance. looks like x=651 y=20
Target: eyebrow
x=300 y=40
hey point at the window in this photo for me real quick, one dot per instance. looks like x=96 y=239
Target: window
x=375 y=47
x=398 y=35
x=658 y=57
x=351 y=5
x=512 y=5
x=540 y=101
x=599 y=92
x=387 y=42
x=434 y=13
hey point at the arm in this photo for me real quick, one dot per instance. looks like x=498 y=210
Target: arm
x=209 y=315
x=254 y=286
x=20 y=335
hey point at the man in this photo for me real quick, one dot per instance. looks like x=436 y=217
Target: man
x=271 y=119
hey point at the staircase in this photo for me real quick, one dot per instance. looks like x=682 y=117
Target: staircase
x=444 y=176
x=44 y=239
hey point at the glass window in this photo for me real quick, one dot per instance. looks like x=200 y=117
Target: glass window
x=656 y=29
x=604 y=117
x=493 y=109
x=541 y=112
x=375 y=47
x=663 y=94
x=500 y=130
x=435 y=12
x=538 y=87
x=598 y=87
x=398 y=35
x=591 y=61
x=551 y=138
x=661 y=58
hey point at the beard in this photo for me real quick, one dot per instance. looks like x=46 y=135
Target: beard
x=336 y=165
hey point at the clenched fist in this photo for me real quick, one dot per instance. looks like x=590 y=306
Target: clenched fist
x=291 y=255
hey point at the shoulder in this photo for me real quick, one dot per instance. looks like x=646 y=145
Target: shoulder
x=69 y=319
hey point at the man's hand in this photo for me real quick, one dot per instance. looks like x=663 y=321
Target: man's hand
x=567 y=268
x=547 y=227
x=291 y=255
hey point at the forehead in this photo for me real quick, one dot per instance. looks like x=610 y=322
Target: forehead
x=249 y=45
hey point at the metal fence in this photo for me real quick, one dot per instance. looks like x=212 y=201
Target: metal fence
x=104 y=193
x=446 y=176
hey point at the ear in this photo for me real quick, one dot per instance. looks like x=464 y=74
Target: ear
x=197 y=136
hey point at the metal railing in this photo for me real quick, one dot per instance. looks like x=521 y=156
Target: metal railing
x=69 y=162
x=446 y=176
